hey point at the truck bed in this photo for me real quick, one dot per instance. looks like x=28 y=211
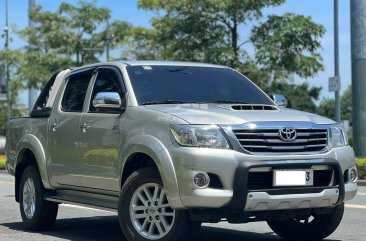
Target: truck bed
x=21 y=131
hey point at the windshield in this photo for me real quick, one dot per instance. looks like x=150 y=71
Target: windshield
x=183 y=84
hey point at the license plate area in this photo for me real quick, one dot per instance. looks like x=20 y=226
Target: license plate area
x=293 y=177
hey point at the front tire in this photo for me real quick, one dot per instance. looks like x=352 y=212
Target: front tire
x=315 y=227
x=37 y=213
x=144 y=212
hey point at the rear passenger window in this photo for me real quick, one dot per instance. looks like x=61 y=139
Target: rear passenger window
x=75 y=92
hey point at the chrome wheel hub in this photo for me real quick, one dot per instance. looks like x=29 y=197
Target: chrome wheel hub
x=150 y=213
x=29 y=198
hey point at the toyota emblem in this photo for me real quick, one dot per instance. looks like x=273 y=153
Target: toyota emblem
x=287 y=134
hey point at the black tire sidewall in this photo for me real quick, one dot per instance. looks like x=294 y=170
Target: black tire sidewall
x=182 y=223
x=323 y=226
x=45 y=212
x=29 y=173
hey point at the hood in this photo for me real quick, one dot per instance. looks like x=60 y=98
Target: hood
x=224 y=114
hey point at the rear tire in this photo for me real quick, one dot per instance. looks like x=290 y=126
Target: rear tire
x=318 y=228
x=37 y=213
x=144 y=212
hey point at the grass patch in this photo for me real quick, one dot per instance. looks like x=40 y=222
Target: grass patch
x=361 y=167
x=2 y=161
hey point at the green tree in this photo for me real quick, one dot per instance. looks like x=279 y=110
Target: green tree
x=116 y=35
x=208 y=31
x=289 y=44
x=72 y=35
x=346 y=104
x=140 y=44
x=82 y=21
x=326 y=106
x=10 y=58
x=300 y=97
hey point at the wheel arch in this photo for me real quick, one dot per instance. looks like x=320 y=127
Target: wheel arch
x=30 y=152
x=149 y=151
x=25 y=158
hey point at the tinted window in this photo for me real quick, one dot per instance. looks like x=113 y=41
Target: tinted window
x=73 y=99
x=106 y=81
x=41 y=109
x=193 y=84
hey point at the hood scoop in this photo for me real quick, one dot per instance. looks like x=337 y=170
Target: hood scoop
x=253 y=107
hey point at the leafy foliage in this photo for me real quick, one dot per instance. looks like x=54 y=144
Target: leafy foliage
x=185 y=30
x=205 y=31
x=82 y=21
x=67 y=37
x=290 y=43
x=2 y=162
x=326 y=106
x=361 y=167
x=141 y=44
x=300 y=97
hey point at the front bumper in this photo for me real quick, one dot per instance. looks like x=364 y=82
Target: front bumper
x=260 y=201
x=287 y=198
x=233 y=168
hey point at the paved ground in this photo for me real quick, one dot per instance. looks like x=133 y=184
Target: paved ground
x=75 y=223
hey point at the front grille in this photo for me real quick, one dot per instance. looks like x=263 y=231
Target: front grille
x=264 y=180
x=268 y=140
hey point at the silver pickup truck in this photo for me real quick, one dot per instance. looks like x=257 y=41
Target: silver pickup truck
x=170 y=145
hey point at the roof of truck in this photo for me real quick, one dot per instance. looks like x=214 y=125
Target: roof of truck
x=167 y=63
x=152 y=63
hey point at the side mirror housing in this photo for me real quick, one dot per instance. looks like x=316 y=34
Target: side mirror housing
x=107 y=101
x=279 y=100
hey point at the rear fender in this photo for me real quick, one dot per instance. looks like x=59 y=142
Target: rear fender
x=31 y=142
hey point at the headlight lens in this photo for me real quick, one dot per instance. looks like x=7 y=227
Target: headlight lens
x=338 y=136
x=209 y=136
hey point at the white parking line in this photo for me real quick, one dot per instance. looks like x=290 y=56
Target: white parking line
x=361 y=193
x=7 y=182
x=355 y=206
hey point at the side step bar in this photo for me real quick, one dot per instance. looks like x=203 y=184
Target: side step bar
x=90 y=200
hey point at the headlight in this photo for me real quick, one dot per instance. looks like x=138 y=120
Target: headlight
x=209 y=136
x=338 y=136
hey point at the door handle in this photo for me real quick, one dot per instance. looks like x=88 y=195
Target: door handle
x=54 y=126
x=84 y=127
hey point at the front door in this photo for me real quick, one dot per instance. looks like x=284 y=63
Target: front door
x=64 y=129
x=101 y=138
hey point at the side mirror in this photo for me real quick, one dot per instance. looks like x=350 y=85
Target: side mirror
x=107 y=100
x=279 y=100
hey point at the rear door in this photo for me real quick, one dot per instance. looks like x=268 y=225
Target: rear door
x=64 y=130
x=101 y=139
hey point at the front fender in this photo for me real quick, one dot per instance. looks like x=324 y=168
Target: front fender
x=31 y=142
x=154 y=148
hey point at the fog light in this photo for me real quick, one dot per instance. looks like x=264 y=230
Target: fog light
x=201 y=180
x=352 y=175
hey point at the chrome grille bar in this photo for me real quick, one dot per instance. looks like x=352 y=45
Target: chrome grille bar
x=268 y=140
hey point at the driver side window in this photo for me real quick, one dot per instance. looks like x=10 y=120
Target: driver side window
x=106 y=81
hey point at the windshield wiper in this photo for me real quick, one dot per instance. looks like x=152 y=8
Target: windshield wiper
x=161 y=102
